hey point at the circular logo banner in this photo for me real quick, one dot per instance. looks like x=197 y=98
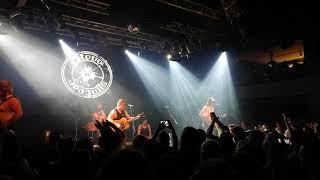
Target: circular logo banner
x=86 y=74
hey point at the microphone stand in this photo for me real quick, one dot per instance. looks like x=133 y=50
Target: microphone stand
x=171 y=116
x=77 y=119
x=133 y=125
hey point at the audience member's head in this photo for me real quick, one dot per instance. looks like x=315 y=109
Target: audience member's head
x=227 y=144
x=237 y=133
x=125 y=164
x=210 y=149
x=111 y=143
x=213 y=169
x=273 y=146
x=190 y=140
x=6 y=87
x=255 y=138
x=203 y=135
x=138 y=142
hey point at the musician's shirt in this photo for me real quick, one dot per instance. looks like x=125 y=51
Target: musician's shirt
x=144 y=131
x=11 y=104
x=116 y=115
x=120 y=115
x=205 y=114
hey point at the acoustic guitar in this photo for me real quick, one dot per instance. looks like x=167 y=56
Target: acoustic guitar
x=123 y=123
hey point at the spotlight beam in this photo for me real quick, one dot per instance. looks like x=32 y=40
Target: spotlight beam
x=69 y=52
x=154 y=78
x=184 y=86
x=34 y=61
x=219 y=85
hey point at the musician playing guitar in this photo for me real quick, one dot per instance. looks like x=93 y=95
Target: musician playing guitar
x=120 y=117
x=205 y=113
x=10 y=106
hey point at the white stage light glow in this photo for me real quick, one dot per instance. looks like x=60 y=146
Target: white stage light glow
x=153 y=76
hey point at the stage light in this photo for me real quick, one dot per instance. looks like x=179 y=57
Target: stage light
x=67 y=50
x=4 y=30
x=153 y=77
x=126 y=51
x=183 y=89
x=35 y=61
x=219 y=85
x=169 y=56
x=133 y=29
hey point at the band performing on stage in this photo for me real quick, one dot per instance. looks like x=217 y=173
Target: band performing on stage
x=120 y=117
x=11 y=110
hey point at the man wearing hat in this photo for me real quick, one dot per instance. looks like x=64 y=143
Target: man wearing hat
x=10 y=106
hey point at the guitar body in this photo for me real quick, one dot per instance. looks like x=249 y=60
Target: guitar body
x=123 y=124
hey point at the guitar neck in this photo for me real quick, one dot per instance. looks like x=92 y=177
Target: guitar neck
x=133 y=119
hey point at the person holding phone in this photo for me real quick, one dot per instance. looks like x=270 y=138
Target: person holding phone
x=163 y=138
x=144 y=129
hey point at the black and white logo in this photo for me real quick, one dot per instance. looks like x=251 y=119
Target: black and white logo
x=86 y=74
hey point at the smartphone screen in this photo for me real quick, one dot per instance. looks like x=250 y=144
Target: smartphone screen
x=165 y=122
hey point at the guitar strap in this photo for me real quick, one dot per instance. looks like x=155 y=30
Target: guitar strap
x=10 y=97
x=119 y=115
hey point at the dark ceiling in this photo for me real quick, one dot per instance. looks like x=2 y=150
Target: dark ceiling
x=241 y=24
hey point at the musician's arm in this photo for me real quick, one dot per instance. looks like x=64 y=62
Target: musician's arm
x=112 y=115
x=174 y=138
x=139 y=130
x=128 y=117
x=204 y=112
x=15 y=107
x=220 y=127
x=210 y=129
x=113 y=126
x=201 y=112
x=104 y=116
x=149 y=129
x=94 y=116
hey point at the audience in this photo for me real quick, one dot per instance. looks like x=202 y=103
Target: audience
x=284 y=150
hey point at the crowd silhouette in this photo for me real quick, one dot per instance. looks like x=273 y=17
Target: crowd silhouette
x=276 y=152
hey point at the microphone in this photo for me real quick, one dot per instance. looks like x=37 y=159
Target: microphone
x=166 y=107
x=130 y=105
